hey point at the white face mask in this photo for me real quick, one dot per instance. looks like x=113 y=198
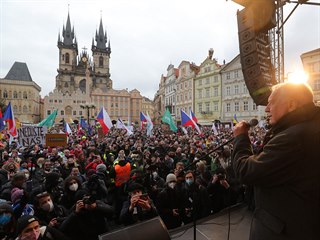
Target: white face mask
x=27 y=175
x=155 y=174
x=74 y=187
x=171 y=185
x=48 y=207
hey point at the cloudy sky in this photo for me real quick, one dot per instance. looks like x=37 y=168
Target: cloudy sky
x=146 y=35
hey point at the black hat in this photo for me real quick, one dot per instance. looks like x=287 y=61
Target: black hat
x=24 y=221
x=135 y=186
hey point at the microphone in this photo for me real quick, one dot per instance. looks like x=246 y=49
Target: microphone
x=252 y=123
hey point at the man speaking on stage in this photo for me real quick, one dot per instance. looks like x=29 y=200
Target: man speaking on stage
x=286 y=174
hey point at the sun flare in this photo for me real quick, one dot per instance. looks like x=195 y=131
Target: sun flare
x=297 y=77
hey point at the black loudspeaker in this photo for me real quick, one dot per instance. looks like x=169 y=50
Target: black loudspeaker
x=151 y=229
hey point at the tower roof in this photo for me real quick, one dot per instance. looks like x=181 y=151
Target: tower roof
x=19 y=71
x=101 y=37
x=68 y=33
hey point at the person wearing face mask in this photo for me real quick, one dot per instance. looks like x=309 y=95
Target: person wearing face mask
x=71 y=186
x=7 y=222
x=29 y=228
x=47 y=211
x=170 y=204
x=154 y=182
x=197 y=199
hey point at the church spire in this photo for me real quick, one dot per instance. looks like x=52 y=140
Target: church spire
x=68 y=33
x=101 y=37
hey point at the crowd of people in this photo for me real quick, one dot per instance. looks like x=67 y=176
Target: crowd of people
x=95 y=185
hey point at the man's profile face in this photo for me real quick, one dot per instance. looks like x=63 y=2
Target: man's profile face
x=277 y=106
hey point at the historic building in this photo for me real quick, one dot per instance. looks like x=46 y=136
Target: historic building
x=170 y=90
x=83 y=83
x=24 y=94
x=148 y=107
x=311 y=65
x=158 y=101
x=207 y=91
x=236 y=99
x=184 y=86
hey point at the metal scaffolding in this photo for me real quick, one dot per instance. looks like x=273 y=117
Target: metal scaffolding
x=277 y=43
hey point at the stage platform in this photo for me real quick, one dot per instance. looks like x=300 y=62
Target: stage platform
x=215 y=227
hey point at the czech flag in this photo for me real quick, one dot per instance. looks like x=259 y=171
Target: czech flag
x=9 y=118
x=67 y=128
x=193 y=117
x=1 y=121
x=143 y=117
x=104 y=120
x=186 y=120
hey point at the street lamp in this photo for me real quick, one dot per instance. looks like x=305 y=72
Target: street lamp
x=88 y=106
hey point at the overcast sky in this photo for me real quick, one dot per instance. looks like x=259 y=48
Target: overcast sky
x=146 y=36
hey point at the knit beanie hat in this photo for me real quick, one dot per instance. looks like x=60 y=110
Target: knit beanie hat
x=101 y=168
x=16 y=194
x=24 y=221
x=171 y=177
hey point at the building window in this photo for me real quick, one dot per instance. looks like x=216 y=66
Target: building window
x=207 y=80
x=245 y=106
x=215 y=79
x=236 y=107
x=207 y=92
x=228 y=90
x=74 y=113
x=25 y=109
x=15 y=94
x=60 y=101
x=55 y=100
x=101 y=61
x=67 y=58
x=200 y=82
x=62 y=112
x=200 y=93
x=254 y=106
x=228 y=75
x=5 y=94
x=316 y=84
x=228 y=107
x=215 y=91
x=236 y=89
x=48 y=112
x=200 y=107
x=15 y=109
x=216 y=106
x=25 y=96
x=80 y=113
x=236 y=74
x=207 y=106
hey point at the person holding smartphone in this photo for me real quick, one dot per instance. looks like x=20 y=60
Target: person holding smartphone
x=138 y=208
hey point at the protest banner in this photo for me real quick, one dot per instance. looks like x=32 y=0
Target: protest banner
x=31 y=135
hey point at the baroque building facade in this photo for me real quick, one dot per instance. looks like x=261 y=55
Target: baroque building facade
x=311 y=65
x=236 y=99
x=83 y=83
x=184 y=86
x=207 y=91
x=24 y=94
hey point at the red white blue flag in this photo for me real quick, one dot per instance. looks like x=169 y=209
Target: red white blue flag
x=104 y=120
x=9 y=118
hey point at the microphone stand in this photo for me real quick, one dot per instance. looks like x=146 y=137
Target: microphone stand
x=194 y=217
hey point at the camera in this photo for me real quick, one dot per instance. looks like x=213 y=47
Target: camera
x=144 y=197
x=88 y=200
x=221 y=176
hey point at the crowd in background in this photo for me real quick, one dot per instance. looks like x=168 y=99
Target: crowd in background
x=97 y=184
